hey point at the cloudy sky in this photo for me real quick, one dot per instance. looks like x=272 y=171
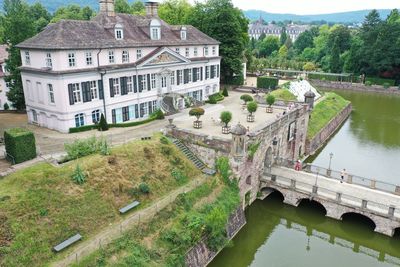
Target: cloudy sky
x=303 y=7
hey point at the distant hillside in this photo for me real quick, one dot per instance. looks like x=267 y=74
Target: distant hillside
x=53 y=5
x=344 y=17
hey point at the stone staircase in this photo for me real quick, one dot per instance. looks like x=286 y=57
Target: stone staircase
x=168 y=105
x=193 y=158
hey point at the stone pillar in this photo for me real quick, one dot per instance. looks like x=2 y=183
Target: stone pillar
x=397 y=190
x=373 y=184
x=391 y=211
x=293 y=183
x=239 y=142
x=338 y=197
x=350 y=179
x=364 y=204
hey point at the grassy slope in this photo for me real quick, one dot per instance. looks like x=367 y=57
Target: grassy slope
x=40 y=206
x=283 y=94
x=324 y=112
x=166 y=239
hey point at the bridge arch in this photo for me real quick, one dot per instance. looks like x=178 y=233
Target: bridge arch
x=318 y=206
x=272 y=192
x=354 y=216
x=396 y=233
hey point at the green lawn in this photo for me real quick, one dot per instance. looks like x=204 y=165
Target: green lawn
x=324 y=112
x=284 y=95
x=41 y=206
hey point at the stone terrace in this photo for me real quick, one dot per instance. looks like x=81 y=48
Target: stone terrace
x=233 y=104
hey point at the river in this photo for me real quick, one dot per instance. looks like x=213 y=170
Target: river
x=278 y=235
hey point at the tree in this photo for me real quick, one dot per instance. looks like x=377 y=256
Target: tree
x=246 y=98
x=196 y=112
x=268 y=45
x=283 y=51
x=175 y=12
x=342 y=33
x=305 y=39
x=226 y=117
x=335 y=65
x=283 y=38
x=138 y=8
x=122 y=6
x=227 y=24
x=73 y=12
x=289 y=43
x=262 y=36
x=270 y=100
x=309 y=66
x=225 y=92
x=103 y=125
x=40 y=15
x=252 y=107
x=18 y=26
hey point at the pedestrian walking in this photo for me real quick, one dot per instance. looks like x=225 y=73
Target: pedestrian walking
x=297 y=166
x=342 y=175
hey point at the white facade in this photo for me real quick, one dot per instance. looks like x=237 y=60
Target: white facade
x=3 y=85
x=63 y=87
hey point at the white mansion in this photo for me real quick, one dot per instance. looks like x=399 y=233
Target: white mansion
x=259 y=27
x=117 y=64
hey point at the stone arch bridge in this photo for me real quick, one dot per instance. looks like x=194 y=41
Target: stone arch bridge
x=338 y=199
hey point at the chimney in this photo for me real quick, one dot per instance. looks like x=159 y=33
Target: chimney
x=107 y=7
x=152 y=9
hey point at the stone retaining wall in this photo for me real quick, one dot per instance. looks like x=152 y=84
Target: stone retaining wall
x=359 y=87
x=200 y=255
x=325 y=133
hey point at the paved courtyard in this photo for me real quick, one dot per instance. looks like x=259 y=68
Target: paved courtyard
x=210 y=119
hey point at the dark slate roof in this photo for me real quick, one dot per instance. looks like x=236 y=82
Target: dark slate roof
x=99 y=33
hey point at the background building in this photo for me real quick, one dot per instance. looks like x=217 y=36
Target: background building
x=259 y=27
x=125 y=66
x=3 y=85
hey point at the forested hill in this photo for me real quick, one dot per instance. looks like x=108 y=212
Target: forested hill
x=344 y=17
x=53 y=5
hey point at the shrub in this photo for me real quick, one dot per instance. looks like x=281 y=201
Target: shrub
x=267 y=82
x=179 y=176
x=85 y=147
x=78 y=176
x=253 y=149
x=144 y=188
x=246 y=98
x=380 y=81
x=103 y=125
x=158 y=114
x=270 y=99
x=225 y=92
x=368 y=83
x=386 y=85
x=226 y=117
x=6 y=106
x=164 y=140
x=20 y=145
x=252 y=107
x=166 y=150
x=223 y=168
x=236 y=80
x=104 y=148
x=211 y=100
x=196 y=112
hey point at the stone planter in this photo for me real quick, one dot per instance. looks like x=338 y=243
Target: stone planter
x=269 y=110
x=250 y=118
x=197 y=124
x=226 y=129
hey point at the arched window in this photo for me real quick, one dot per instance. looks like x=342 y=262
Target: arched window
x=96 y=116
x=79 y=120
x=248 y=180
x=155 y=29
x=119 y=31
x=183 y=33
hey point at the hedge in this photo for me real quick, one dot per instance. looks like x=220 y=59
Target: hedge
x=213 y=99
x=267 y=82
x=380 y=81
x=20 y=145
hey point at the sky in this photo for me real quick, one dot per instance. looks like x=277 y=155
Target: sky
x=308 y=7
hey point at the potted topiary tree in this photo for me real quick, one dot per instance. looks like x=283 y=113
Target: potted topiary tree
x=251 y=108
x=270 y=101
x=197 y=112
x=226 y=117
x=225 y=92
x=246 y=98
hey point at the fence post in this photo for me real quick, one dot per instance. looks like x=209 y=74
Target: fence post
x=350 y=179
x=391 y=211
x=373 y=184
x=338 y=197
x=315 y=189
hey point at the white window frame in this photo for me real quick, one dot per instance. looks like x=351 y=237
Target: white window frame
x=153 y=81
x=93 y=89
x=155 y=33
x=206 y=51
x=125 y=56
x=139 y=53
x=34 y=116
x=111 y=57
x=180 y=76
x=198 y=74
x=195 y=52
x=144 y=83
x=71 y=59
x=187 y=52
x=129 y=84
x=81 y=118
x=207 y=72
x=89 y=58
x=190 y=77
x=50 y=90
x=173 y=78
x=214 y=50
x=116 y=86
x=163 y=82
x=96 y=115
x=183 y=35
x=178 y=50
x=119 y=34
x=49 y=63
x=76 y=93
x=27 y=58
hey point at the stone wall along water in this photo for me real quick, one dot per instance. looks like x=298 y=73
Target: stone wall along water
x=359 y=87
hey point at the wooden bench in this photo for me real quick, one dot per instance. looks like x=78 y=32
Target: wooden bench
x=129 y=207
x=67 y=243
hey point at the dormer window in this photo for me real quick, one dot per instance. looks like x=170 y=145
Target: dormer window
x=155 y=29
x=119 y=32
x=183 y=33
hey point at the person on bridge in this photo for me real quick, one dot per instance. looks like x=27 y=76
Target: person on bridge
x=342 y=175
x=297 y=166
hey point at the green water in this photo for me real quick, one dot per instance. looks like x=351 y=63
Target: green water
x=278 y=235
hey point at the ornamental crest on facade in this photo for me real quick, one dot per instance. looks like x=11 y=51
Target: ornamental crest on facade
x=163 y=58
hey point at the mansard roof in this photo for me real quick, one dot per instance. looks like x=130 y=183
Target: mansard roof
x=99 y=33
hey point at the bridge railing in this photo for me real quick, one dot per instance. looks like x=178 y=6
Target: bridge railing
x=349 y=178
x=313 y=190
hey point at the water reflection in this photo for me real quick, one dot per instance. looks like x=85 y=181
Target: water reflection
x=280 y=235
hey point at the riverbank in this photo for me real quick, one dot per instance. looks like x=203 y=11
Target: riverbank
x=327 y=116
x=356 y=87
